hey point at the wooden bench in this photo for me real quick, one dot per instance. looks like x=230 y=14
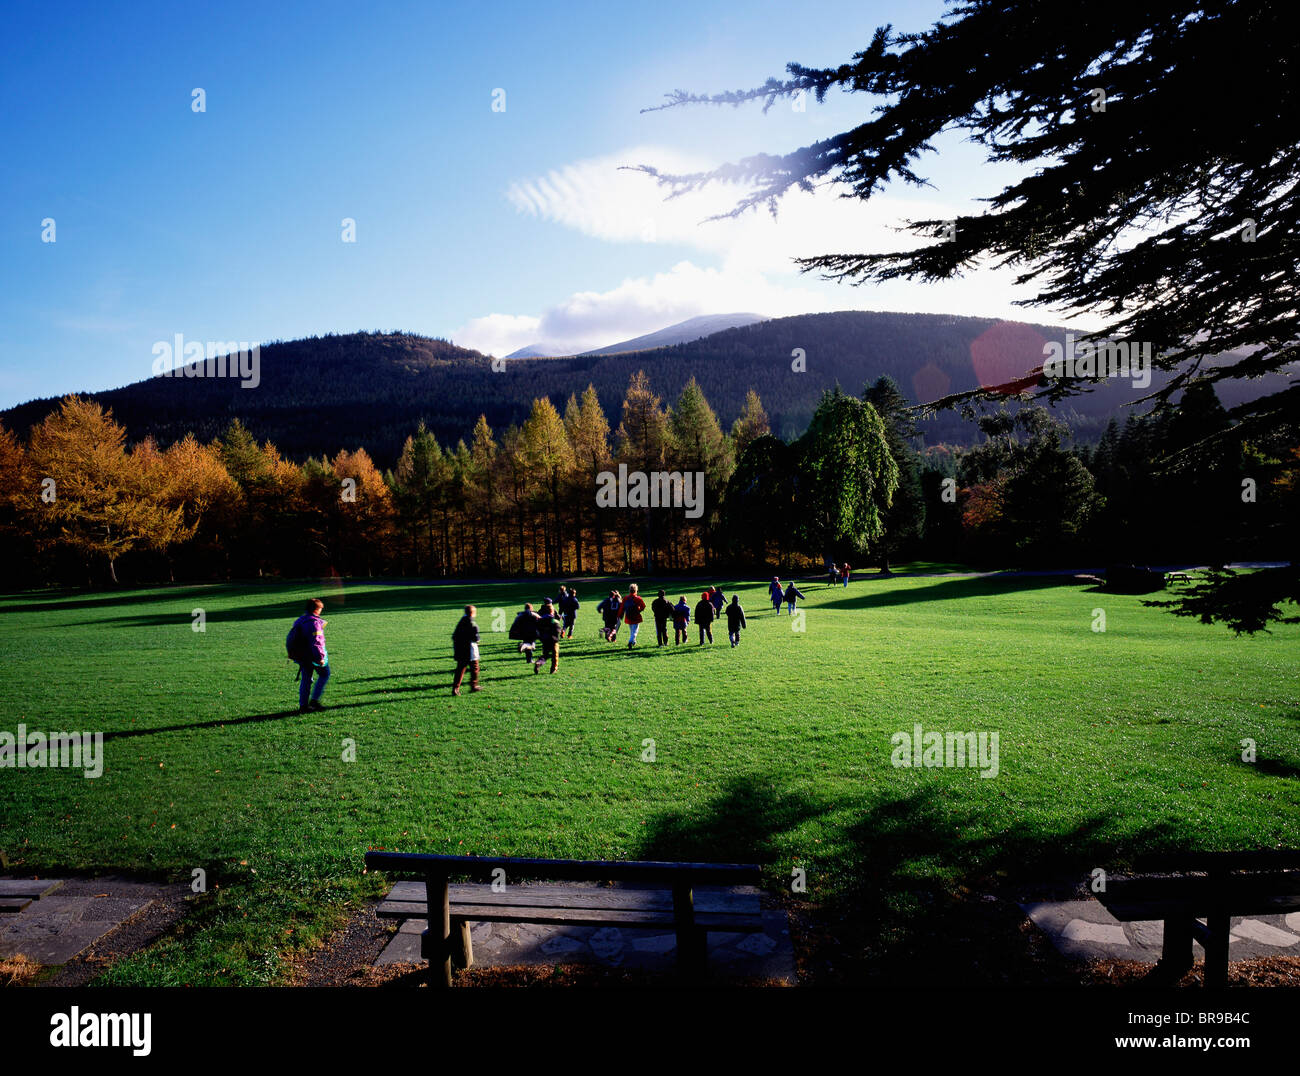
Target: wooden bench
x=1213 y=887
x=692 y=899
x=1177 y=577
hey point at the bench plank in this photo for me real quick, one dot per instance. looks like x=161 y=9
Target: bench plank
x=574 y=870
x=407 y=898
x=1198 y=896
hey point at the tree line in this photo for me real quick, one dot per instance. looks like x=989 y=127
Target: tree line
x=77 y=504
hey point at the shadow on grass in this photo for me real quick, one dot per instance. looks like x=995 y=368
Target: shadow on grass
x=54 y=601
x=948 y=590
x=1272 y=767
x=278 y=715
x=912 y=892
x=445 y=602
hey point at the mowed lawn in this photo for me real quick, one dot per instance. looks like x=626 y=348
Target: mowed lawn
x=1111 y=744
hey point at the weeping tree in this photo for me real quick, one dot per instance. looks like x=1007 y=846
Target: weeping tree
x=845 y=478
x=1158 y=153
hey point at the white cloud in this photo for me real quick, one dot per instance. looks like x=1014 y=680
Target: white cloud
x=590 y=319
x=602 y=198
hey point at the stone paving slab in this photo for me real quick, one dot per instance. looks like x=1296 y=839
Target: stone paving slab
x=35 y=888
x=71 y=916
x=768 y=954
x=1085 y=930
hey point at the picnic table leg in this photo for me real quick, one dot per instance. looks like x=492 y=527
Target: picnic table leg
x=691 y=947
x=463 y=953
x=1216 y=949
x=437 y=939
x=1176 y=951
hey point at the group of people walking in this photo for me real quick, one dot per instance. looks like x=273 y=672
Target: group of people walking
x=617 y=610
x=788 y=594
x=553 y=621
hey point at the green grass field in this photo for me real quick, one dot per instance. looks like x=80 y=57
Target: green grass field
x=1111 y=744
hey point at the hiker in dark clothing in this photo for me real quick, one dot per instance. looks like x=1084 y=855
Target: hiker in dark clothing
x=704 y=614
x=662 y=610
x=524 y=631
x=568 y=607
x=610 y=609
x=464 y=646
x=549 y=630
x=681 y=620
x=718 y=601
x=735 y=621
x=791 y=593
x=305 y=645
x=776 y=592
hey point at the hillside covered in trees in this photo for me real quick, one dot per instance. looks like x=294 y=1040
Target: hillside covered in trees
x=371 y=390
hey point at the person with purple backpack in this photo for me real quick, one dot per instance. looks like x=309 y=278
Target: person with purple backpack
x=305 y=645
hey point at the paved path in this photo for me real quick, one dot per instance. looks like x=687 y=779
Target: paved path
x=1085 y=930
x=66 y=916
x=765 y=955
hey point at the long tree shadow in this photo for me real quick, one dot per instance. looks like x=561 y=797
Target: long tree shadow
x=948 y=590
x=54 y=601
x=912 y=892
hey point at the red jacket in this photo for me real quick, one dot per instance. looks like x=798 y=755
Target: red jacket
x=633 y=607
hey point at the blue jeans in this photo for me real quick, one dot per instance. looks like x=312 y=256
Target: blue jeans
x=305 y=692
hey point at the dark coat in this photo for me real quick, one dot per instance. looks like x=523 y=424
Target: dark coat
x=466 y=632
x=609 y=608
x=662 y=609
x=704 y=613
x=735 y=617
x=548 y=630
x=524 y=629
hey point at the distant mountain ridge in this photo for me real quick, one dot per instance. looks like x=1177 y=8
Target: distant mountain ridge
x=681 y=333
x=322 y=394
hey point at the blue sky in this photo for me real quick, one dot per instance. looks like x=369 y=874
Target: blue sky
x=492 y=228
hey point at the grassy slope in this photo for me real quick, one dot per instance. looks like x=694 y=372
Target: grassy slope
x=1111 y=743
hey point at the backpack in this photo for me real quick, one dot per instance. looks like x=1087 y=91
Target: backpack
x=295 y=645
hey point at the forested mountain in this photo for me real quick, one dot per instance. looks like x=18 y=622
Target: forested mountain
x=371 y=390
